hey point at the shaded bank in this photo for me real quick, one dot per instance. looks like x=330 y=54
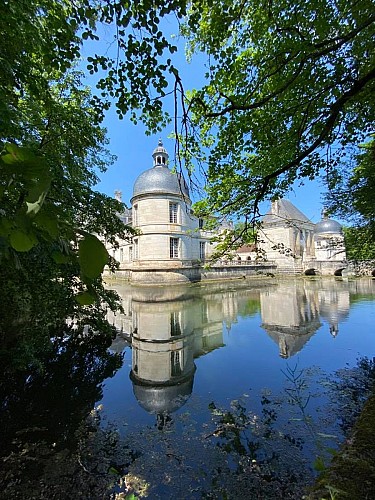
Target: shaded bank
x=351 y=473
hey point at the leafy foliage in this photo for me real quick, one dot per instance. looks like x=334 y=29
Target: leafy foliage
x=351 y=197
x=51 y=147
x=360 y=243
x=289 y=88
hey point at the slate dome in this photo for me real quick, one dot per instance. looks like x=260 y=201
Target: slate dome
x=160 y=179
x=163 y=398
x=328 y=226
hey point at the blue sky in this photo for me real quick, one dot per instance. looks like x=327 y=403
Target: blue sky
x=134 y=149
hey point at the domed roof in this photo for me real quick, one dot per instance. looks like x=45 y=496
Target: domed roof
x=160 y=179
x=327 y=226
x=163 y=399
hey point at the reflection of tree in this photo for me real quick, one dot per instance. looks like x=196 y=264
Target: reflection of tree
x=250 y=307
x=40 y=412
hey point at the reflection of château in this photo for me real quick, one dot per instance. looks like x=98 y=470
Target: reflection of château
x=170 y=327
x=291 y=314
x=334 y=306
x=166 y=337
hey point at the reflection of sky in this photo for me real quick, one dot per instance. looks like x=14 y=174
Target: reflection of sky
x=250 y=361
x=119 y=401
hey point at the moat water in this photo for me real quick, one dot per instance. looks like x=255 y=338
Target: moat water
x=233 y=390
x=234 y=367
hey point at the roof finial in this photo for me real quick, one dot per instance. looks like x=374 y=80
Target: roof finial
x=160 y=143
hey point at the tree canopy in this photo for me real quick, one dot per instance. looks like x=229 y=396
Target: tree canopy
x=289 y=86
x=351 y=197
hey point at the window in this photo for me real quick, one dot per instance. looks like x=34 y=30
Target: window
x=121 y=254
x=173 y=212
x=202 y=250
x=173 y=248
x=175 y=324
x=200 y=221
x=135 y=215
x=176 y=368
x=130 y=254
x=136 y=250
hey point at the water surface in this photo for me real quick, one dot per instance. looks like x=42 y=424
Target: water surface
x=193 y=353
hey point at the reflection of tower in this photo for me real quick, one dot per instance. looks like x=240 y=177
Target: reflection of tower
x=170 y=327
x=163 y=357
x=230 y=308
x=123 y=323
x=334 y=306
x=290 y=316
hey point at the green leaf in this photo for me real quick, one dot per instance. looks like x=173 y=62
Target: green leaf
x=22 y=242
x=14 y=154
x=41 y=187
x=319 y=464
x=92 y=256
x=48 y=223
x=23 y=161
x=85 y=299
x=6 y=227
x=60 y=258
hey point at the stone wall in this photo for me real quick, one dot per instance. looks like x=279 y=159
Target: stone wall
x=361 y=267
x=326 y=267
x=154 y=276
x=348 y=268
